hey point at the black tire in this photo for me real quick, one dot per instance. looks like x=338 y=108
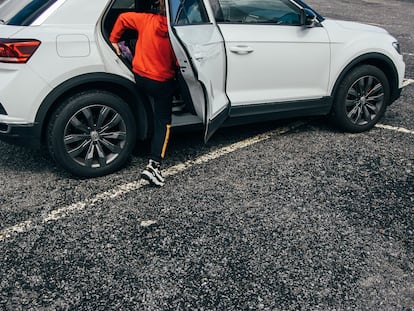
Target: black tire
x=361 y=99
x=92 y=134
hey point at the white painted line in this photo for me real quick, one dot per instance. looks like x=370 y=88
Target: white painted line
x=394 y=128
x=407 y=82
x=408 y=54
x=117 y=192
x=121 y=190
x=19 y=228
x=148 y=223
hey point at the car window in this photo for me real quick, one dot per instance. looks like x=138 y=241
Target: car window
x=280 y=12
x=124 y=4
x=22 y=12
x=188 y=12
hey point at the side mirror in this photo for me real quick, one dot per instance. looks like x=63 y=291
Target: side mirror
x=309 y=18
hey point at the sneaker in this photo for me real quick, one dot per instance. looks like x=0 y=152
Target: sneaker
x=152 y=173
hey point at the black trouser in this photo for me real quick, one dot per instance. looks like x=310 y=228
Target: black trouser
x=162 y=93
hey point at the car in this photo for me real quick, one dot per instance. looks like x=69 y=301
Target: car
x=240 y=61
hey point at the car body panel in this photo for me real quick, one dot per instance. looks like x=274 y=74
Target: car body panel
x=7 y=31
x=286 y=63
x=351 y=40
x=48 y=77
x=26 y=102
x=75 y=12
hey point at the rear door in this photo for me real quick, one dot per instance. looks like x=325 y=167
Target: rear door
x=200 y=51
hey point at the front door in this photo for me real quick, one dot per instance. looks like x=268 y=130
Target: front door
x=271 y=56
x=200 y=52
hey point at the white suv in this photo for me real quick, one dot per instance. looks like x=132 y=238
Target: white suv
x=62 y=85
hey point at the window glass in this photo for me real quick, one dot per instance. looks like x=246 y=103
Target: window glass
x=188 y=12
x=124 y=4
x=22 y=12
x=278 y=12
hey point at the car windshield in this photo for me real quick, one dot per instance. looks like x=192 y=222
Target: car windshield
x=22 y=12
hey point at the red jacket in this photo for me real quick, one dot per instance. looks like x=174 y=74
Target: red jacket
x=154 y=57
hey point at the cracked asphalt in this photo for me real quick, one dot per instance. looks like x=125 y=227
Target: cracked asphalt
x=307 y=219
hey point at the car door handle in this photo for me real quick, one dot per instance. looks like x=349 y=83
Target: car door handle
x=199 y=56
x=241 y=49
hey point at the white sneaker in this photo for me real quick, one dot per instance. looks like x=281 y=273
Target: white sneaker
x=152 y=173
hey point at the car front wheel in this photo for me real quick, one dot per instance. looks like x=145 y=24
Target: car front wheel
x=92 y=134
x=361 y=99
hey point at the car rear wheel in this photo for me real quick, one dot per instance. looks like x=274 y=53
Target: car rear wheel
x=92 y=134
x=361 y=99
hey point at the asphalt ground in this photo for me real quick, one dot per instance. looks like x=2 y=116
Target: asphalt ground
x=291 y=215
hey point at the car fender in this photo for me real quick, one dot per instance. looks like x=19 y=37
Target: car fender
x=120 y=86
x=353 y=44
x=377 y=59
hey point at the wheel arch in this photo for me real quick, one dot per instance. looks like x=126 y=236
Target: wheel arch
x=120 y=86
x=378 y=60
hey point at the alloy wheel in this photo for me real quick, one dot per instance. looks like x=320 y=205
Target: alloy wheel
x=95 y=136
x=364 y=100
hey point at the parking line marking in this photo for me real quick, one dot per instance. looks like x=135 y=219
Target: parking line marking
x=394 y=128
x=118 y=191
x=24 y=226
x=407 y=82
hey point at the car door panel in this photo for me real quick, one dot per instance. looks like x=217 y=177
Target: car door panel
x=200 y=48
x=275 y=63
x=205 y=45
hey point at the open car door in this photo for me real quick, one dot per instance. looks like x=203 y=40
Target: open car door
x=200 y=52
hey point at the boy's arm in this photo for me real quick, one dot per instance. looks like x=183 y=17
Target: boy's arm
x=124 y=21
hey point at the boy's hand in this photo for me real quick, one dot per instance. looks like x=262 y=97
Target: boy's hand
x=116 y=47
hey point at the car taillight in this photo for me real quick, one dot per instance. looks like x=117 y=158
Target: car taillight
x=17 y=50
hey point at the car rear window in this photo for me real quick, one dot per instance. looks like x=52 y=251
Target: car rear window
x=22 y=12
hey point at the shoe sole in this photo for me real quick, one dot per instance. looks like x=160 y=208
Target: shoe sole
x=151 y=178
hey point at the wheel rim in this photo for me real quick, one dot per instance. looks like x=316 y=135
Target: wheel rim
x=364 y=100
x=95 y=136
